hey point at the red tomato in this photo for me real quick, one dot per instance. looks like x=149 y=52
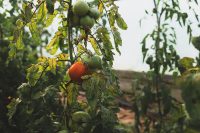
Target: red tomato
x=77 y=70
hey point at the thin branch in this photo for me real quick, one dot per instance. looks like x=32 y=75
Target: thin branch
x=34 y=12
x=69 y=31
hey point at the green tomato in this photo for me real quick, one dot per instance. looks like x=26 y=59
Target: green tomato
x=85 y=58
x=80 y=116
x=93 y=62
x=196 y=42
x=80 y=120
x=94 y=13
x=87 y=21
x=80 y=8
x=63 y=131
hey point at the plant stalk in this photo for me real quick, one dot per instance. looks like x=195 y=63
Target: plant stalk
x=157 y=46
x=70 y=45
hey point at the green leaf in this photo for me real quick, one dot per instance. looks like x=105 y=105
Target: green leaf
x=111 y=18
x=45 y=93
x=144 y=49
x=50 y=18
x=20 y=44
x=19 y=23
x=52 y=65
x=108 y=117
x=94 y=45
x=91 y=86
x=120 y=22
x=28 y=13
x=81 y=48
x=117 y=39
x=17 y=38
x=42 y=12
x=63 y=56
x=100 y=7
x=34 y=30
x=12 y=108
x=186 y=62
x=72 y=93
x=103 y=34
x=52 y=47
x=34 y=73
x=42 y=60
x=12 y=51
x=50 y=6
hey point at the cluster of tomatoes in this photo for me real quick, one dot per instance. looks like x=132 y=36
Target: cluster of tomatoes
x=84 y=15
x=87 y=64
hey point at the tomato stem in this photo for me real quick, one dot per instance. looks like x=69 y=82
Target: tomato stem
x=69 y=32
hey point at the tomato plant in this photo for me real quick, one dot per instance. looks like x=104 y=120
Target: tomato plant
x=49 y=100
x=189 y=84
x=12 y=66
x=169 y=114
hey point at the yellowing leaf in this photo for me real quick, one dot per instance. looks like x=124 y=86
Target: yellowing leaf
x=100 y=8
x=72 y=93
x=34 y=30
x=34 y=73
x=63 y=56
x=19 y=42
x=12 y=51
x=186 y=62
x=80 y=48
x=19 y=23
x=52 y=64
x=94 y=45
x=42 y=12
x=42 y=59
x=52 y=47
x=50 y=18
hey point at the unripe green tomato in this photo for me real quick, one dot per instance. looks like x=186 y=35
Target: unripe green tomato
x=80 y=120
x=63 y=131
x=87 y=21
x=93 y=62
x=80 y=8
x=93 y=12
x=80 y=116
x=196 y=42
x=85 y=58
